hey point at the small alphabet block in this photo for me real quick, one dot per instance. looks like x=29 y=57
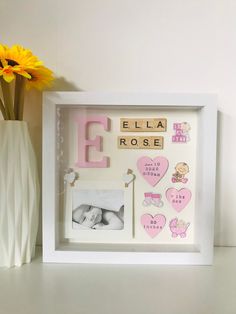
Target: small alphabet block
x=140 y=142
x=143 y=125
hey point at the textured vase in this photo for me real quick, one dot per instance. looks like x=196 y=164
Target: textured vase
x=19 y=194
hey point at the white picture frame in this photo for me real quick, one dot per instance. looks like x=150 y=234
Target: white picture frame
x=198 y=253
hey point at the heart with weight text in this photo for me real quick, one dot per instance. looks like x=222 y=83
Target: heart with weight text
x=179 y=199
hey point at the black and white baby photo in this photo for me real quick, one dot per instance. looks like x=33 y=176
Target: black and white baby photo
x=98 y=209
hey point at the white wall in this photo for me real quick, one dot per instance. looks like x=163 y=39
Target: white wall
x=138 y=45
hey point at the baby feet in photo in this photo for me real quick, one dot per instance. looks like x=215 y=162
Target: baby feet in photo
x=98 y=226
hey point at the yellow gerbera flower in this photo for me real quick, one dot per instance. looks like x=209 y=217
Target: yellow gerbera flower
x=8 y=72
x=20 y=70
x=16 y=62
x=18 y=55
x=3 y=50
x=40 y=77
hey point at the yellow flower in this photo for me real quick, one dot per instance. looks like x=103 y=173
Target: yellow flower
x=40 y=77
x=20 y=70
x=14 y=63
x=18 y=55
x=3 y=50
x=19 y=60
x=8 y=72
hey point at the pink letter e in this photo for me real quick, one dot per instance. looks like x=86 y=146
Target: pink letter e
x=84 y=143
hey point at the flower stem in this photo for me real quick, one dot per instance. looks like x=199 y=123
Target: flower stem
x=3 y=111
x=7 y=98
x=22 y=98
x=19 y=97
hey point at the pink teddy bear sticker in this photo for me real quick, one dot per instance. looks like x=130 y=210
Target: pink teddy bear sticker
x=178 y=228
x=181 y=169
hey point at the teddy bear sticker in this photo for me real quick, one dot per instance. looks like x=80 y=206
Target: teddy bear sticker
x=181 y=169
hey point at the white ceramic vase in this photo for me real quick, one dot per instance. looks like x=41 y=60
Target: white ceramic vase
x=19 y=194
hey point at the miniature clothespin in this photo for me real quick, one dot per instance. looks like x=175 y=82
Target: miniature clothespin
x=128 y=177
x=71 y=177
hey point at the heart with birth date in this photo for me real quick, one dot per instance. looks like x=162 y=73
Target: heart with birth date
x=152 y=170
x=179 y=199
x=153 y=225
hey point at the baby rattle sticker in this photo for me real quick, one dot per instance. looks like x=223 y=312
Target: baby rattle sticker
x=181 y=169
x=179 y=199
x=153 y=170
x=153 y=225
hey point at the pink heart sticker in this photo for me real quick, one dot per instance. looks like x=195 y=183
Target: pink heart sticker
x=178 y=198
x=153 y=170
x=153 y=225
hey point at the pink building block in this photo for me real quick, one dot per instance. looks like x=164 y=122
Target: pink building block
x=179 y=139
x=177 y=126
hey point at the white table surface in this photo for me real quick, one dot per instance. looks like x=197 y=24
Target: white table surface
x=39 y=288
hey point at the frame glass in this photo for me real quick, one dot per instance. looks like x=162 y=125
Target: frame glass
x=129 y=177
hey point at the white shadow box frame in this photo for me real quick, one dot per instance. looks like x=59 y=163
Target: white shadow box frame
x=200 y=250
